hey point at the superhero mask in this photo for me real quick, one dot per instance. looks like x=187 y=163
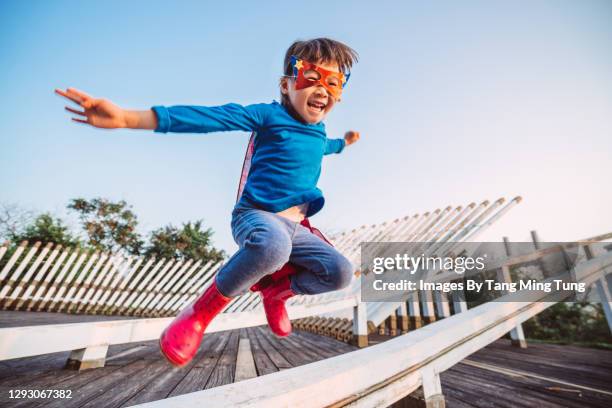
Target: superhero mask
x=307 y=74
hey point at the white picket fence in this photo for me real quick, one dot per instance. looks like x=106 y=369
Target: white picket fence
x=56 y=279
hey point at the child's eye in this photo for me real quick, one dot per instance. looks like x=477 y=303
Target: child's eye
x=312 y=75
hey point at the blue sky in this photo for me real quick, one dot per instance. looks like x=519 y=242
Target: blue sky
x=455 y=102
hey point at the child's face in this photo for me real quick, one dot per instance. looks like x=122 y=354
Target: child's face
x=312 y=103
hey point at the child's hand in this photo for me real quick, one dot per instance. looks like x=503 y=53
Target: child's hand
x=351 y=137
x=97 y=112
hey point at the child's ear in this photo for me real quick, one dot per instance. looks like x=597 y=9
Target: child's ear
x=284 y=86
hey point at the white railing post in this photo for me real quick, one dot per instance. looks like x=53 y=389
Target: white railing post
x=427 y=307
x=517 y=336
x=606 y=300
x=459 y=303
x=89 y=357
x=432 y=388
x=360 y=324
x=402 y=314
x=441 y=304
x=414 y=311
x=603 y=289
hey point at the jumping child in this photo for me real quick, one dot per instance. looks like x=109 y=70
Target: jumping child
x=279 y=193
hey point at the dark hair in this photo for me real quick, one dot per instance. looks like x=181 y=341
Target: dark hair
x=323 y=50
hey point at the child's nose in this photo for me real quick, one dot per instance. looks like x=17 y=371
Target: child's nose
x=322 y=91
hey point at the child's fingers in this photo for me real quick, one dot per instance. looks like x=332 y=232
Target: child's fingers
x=74 y=98
x=74 y=95
x=79 y=120
x=75 y=111
x=78 y=93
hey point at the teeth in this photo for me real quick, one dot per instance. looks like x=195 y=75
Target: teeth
x=317 y=105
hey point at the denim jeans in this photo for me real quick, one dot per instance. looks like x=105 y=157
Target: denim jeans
x=267 y=241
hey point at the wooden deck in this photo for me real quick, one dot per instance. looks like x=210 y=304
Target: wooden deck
x=498 y=376
x=543 y=375
x=137 y=372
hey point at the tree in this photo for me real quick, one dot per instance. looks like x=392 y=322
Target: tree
x=13 y=220
x=190 y=241
x=46 y=228
x=577 y=322
x=110 y=226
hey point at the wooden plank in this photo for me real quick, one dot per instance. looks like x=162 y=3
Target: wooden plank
x=245 y=363
x=23 y=370
x=263 y=363
x=128 y=386
x=160 y=386
x=561 y=372
x=74 y=383
x=486 y=395
x=201 y=368
x=326 y=344
x=103 y=385
x=534 y=391
x=277 y=358
x=132 y=352
x=515 y=372
x=226 y=365
x=295 y=357
x=295 y=341
x=566 y=363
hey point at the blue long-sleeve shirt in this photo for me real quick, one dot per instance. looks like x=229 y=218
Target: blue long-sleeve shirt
x=286 y=164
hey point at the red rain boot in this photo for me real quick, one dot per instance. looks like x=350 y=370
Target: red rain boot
x=274 y=297
x=180 y=341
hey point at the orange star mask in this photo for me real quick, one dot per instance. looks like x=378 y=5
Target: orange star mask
x=307 y=74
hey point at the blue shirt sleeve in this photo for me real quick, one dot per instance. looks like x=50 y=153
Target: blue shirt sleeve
x=204 y=119
x=334 y=145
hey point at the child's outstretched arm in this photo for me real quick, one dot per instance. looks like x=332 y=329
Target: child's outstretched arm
x=103 y=113
x=338 y=145
x=179 y=119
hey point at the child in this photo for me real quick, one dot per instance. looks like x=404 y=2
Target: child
x=280 y=190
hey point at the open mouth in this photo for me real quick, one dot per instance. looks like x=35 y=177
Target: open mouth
x=317 y=106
